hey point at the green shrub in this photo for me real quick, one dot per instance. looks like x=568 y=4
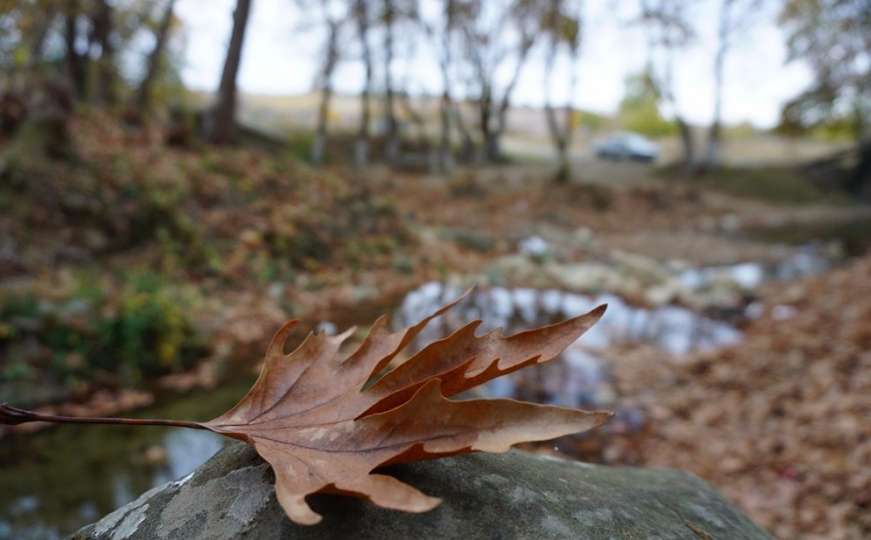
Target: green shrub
x=122 y=336
x=148 y=334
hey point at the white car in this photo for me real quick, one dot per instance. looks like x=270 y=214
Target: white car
x=628 y=146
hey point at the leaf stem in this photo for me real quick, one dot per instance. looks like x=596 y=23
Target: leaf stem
x=13 y=415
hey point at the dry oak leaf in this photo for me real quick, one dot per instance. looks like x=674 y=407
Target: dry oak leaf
x=324 y=425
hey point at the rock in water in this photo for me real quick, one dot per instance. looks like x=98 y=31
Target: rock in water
x=486 y=496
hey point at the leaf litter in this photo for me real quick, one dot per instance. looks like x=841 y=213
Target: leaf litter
x=779 y=422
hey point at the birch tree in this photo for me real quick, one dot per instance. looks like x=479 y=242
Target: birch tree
x=669 y=31
x=498 y=37
x=333 y=18
x=734 y=17
x=833 y=37
x=362 y=18
x=144 y=93
x=563 y=26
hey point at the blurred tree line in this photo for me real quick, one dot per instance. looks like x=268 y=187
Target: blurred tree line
x=55 y=54
x=87 y=43
x=834 y=38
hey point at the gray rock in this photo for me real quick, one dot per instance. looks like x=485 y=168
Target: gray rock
x=486 y=496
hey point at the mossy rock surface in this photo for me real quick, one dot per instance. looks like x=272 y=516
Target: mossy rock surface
x=485 y=496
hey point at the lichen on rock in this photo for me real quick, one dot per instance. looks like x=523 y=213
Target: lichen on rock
x=506 y=496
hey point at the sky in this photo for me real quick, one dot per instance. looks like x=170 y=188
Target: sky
x=283 y=42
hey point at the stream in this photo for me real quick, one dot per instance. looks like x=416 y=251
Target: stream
x=57 y=480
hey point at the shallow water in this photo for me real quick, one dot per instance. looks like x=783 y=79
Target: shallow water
x=579 y=377
x=55 y=481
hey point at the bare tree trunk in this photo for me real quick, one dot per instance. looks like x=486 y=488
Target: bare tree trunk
x=415 y=117
x=467 y=151
x=75 y=61
x=424 y=151
x=561 y=135
x=319 y=144
x=560 y=139
x=712 y=156
x=687 y=145
x=361 y=147
x=102 y=36
x=494 y=141
x=144 y=93
x=445 y=155
x=445 y=159
x=666 y=89
x=556 y=135
x=40 y=35
x=668 y=27
x=391 y=144
x=490 y=145
x=484 y=108
x=859 y=182
x=224 y=113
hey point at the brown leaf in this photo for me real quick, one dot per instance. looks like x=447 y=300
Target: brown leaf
x=324 y=425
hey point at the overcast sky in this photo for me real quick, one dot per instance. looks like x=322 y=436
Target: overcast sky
x=280 y=57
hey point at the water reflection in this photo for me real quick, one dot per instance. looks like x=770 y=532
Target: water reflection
x=580 y=377
x=53 y=482
x=674 y=329
x=185 y=451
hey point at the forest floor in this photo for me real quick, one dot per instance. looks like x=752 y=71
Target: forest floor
x=139 y=266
